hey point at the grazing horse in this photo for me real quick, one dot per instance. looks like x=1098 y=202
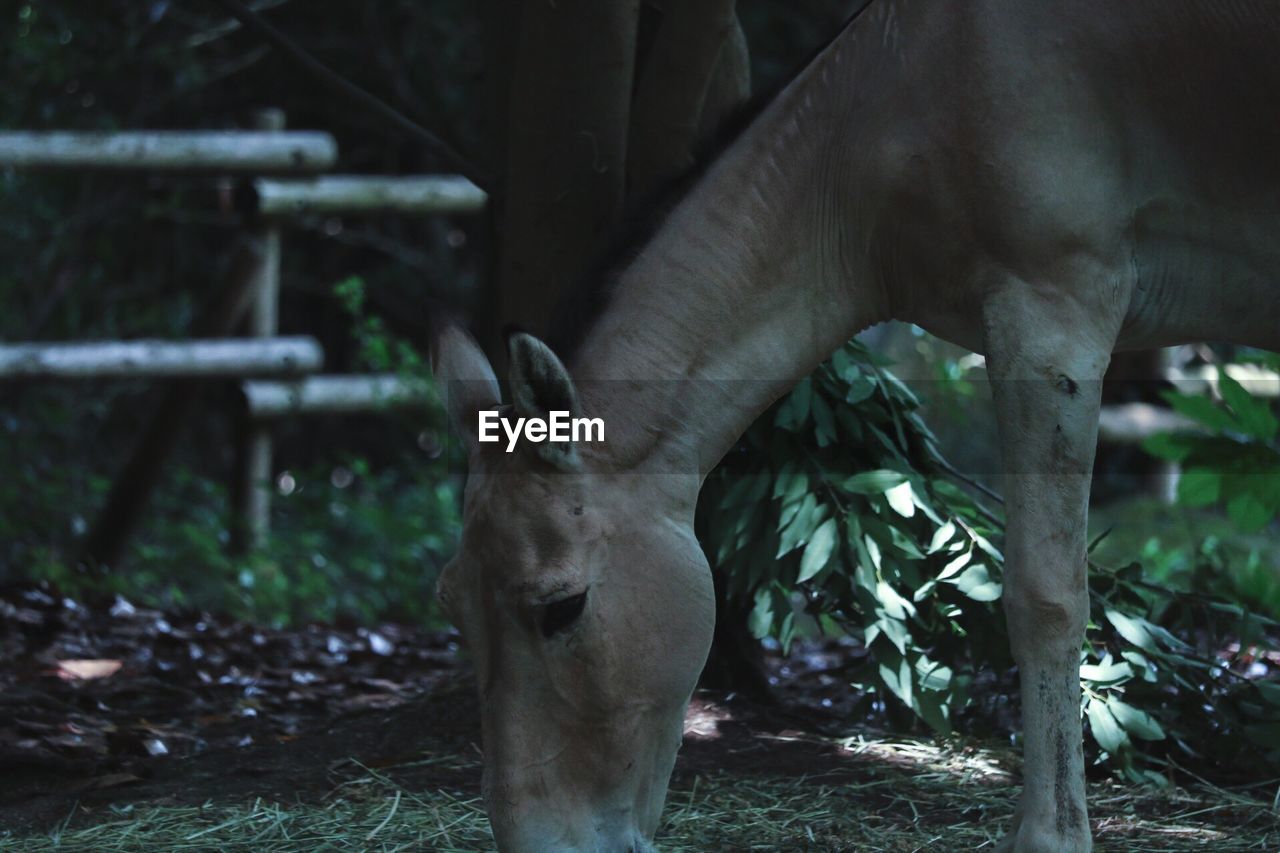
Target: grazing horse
x=1043 y=183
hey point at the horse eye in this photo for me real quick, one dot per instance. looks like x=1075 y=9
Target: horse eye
x=559 y=615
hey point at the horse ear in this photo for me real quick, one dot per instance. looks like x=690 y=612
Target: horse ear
x=540 y=385
x=465 y=380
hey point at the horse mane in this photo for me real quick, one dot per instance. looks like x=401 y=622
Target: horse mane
x=581 y=306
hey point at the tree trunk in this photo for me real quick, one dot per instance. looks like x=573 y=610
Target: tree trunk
x=569 y=102
x=668 y=114
x=730 y=84
x=127 y=500
x=572 y=136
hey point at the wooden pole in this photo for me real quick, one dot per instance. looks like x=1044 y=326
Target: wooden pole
x=255 y=152
x=357 y=194
x=138 y=478
x=251 y=483
x=161 y=359
x=333 y=395
x=1133 y=423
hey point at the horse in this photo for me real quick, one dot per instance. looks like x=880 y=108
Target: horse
x=1042 y=183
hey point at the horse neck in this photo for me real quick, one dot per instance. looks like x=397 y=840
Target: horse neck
x=754 y=278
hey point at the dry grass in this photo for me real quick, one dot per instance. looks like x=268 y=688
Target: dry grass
x=914 y=796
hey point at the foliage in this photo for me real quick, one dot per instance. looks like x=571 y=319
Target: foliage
x=836 y=510
x=378 y=349
x=826 y=497
x=1153 y=693
x=347 y=541
x=350 y=539
x=97 y=255
x=1236 y=462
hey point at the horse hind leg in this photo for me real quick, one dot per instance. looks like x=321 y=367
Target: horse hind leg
x=1046 y=370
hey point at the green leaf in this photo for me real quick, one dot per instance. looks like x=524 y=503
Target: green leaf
x=843 y=365
x=956 y=564
x=893 y=603
x=1106 y=731
x=747 y=490
x=873 y=551
x=1249 y=513
x=761 y=618
x=895 y=630
x=1254 y=415
x=1135 y=629
x=824 y=421
x=1199 y=487
x=1201 y=409
x=891 y=536
x=931 y=675
x=793 y=411
x=898 y=679
x=1141 y=665
x=904 y=543
x=1106 y=673
x=791 y=510
x=899 y=498
x=1137 y=723
x=799 y=399
x=799 y=530
x=981 y=542
x=896 y=387
x=860 y=390
x=790 y=484
x=1098 y=540
x=874 y=482
x=941 y=537
x=932 y=708
x=818 y=551
x=1172 y=446
x=976 y=583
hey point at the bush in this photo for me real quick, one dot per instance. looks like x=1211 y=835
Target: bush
x=350 y=539
x=837 y=507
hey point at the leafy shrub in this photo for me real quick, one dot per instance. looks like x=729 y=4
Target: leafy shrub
x=837 y=494
x=349 y=540
x=837 y=507
x=1235 y=463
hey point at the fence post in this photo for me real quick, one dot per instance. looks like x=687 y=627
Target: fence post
x=251 y=486
x=122 y=510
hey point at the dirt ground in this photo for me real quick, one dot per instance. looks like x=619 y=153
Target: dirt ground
x=112 y=708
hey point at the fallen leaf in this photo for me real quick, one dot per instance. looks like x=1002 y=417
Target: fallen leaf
x=112 y=779
x=85 y=670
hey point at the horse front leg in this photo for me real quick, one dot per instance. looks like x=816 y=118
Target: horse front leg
x=1046 y=365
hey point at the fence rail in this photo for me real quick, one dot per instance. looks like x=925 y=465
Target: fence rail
x=277 y=183
x=361 y=194
x=1133 y=423
x=333 y=395
x=255 y=152
x=162 y=359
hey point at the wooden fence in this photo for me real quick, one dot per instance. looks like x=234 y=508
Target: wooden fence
x=279 y=182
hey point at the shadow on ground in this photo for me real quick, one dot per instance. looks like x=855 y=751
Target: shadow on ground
x=747 y=778
x=190 y=734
